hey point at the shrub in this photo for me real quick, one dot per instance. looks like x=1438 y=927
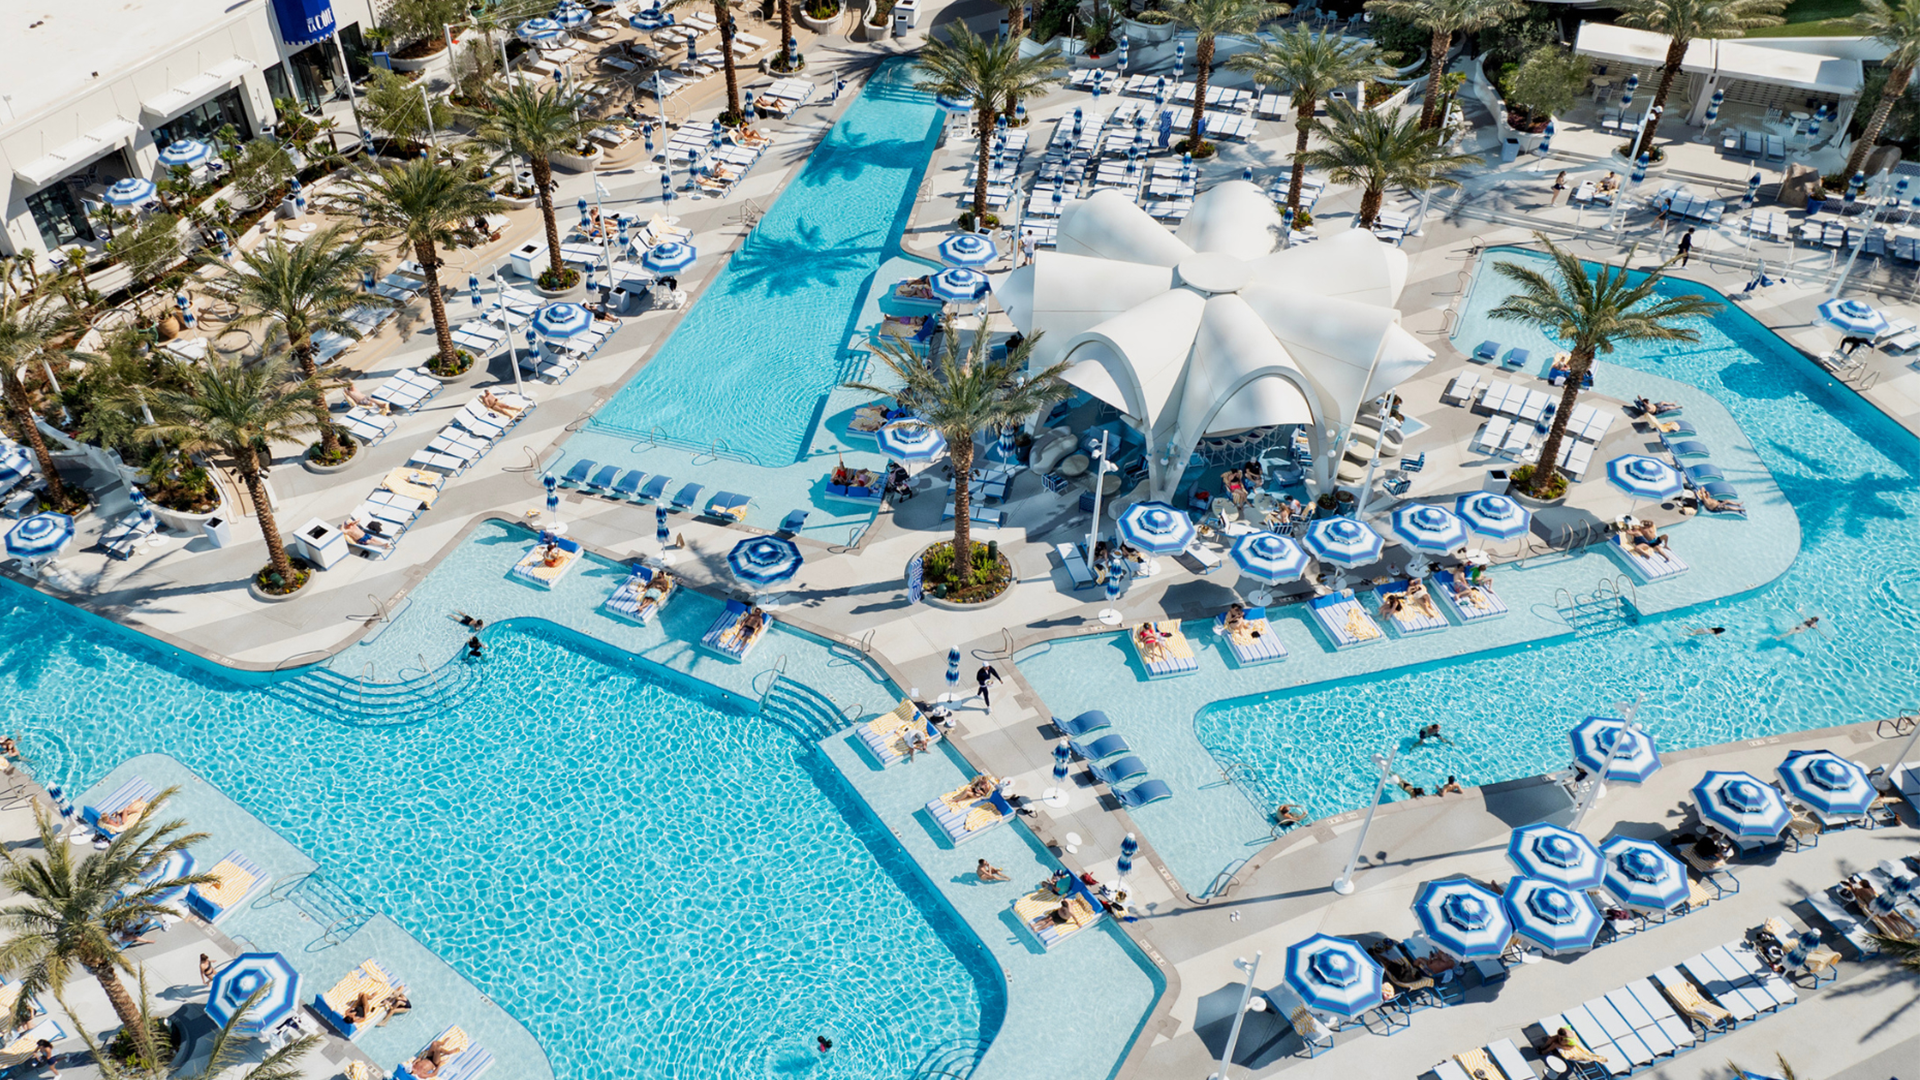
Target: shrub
x=1153 y=18
x=1547 y=82
x=1522 y=482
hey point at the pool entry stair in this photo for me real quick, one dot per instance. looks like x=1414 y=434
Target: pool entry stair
x=1610 y=606
x=336 y=911
x=801 y=709
x=367 y=701
x=951 y=1061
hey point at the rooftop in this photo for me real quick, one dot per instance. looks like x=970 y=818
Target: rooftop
x=52 y=51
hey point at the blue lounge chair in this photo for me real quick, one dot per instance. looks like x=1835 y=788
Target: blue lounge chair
x=578 y=473
x=1258 y=644
x=1410 y=620
x=1079 y=726
x=1700 y=474
x=465 y=1065
x=603 y=480
x=722 y=637
x=1487 y=350
x=1103 y=747
x=793 y=521
x=1481 y=603
x=653 y=489
x=959 y=822
x=1516 y=358
x=727 y=506
x=1119 y=772
x=1689 y=448
x=120 y=800
x=234 y=880
x=1677 y=429
x=1720 y=489
x=628 y=486
x=687 y=497
x=1146 y=791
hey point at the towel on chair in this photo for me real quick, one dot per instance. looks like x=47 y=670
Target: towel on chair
x=229 y=884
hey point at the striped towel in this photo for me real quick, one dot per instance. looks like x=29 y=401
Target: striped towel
x=368 y=980
x=982 y=816
x=890 y=723
x=229 y=884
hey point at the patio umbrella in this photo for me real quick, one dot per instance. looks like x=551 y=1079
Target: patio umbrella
x=953 y=104
x=539 y=30
x=968 y=249
x=764 y=560
x=1640 y=164
x=953 y=671
x=1334 y=975
x=131 y=191
x=1827 y=783
x=669 y=257
x=1642 y=874
x=1078 y=120
x=909 y=441
x=1741 y=805
x=1593 y=740
x=1179 y=58
x=15 y=465
x=184 y=152
x=1343 y=542
x=41 y=536
x=1491 y=514
x=650 y=19
x=1429 y=528
x=1463 y=917
x=239 y=980
x=1854 y=317
x=958 y=284
x=1552 y=917
x=1753 y=188
x=562 y=321
x=1129 y=847
x=1546 y=140
x=1713 y=106
x=1120 y=58
x=571 y=15
x=1269 y=557
x=1110 y=614
x=1551 y=853
x=660 y=532
x=1626 y=94
x=1156 y=527
x=1643 y=477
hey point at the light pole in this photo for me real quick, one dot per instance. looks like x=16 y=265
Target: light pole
x=1841 y=282
x=1251 y=967
x=1344 y=886
x=1099 y=482
x=1591 y=793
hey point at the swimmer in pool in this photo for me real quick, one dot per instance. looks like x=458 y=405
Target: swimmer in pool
x=1808 y=624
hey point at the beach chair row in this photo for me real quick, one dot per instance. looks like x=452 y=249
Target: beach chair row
x=1086 y=724
x=624 y=485
x=470 y=434
x=366 y=320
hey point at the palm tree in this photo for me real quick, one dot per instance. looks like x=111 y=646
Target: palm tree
x=26 y=331
x=722 y=14
x=1684 y=22
x=534 y=123
x=1904 y=950
x=1898 y=28
x=1307 y=66
x=962 y=395
x=1375 y=149
x=994 y=77
x=64 y=913
x=421 y=204
x=305 y=289
x=226 y=1052
x=1443 y=19
x=240 y=410
x=1591 y=313
x=1016 y=18
x=1209 y=19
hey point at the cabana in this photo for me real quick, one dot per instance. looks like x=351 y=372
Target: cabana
x=1749 y=73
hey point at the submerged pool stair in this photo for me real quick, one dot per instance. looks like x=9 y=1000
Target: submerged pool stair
x=337 y=912
x=950 y=1061
x=801 y=709
x=367 y=701
x=1609 y=607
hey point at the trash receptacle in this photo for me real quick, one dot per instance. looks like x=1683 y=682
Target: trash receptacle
x=619 y=299
x=1510 y=149
x=1497 y=481
x=218 y=531
x=905 y=17
x=527 y=259
x=320 y=543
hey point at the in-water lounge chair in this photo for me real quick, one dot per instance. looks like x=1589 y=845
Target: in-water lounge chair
x=1689 y=448
x=603 y=478
x=578 y=472
x=1172 y=656
x=128 y=801
x=886 y=735
x=1146 y=791
x=1648 y=566
x=1103 y=747
x=630 y=601
x=793 y=521
x=687 y=497
x=1410 y=620
x=964 y=819
x=1344 y=621
x=1035 y=912
x=466 y=1061
x=628 y=486
x=235 y=878
x=370 y=979
x=1115 y=773
x=1079 y=726
x=1486 y=350
x=727 y=506
x=1516 y=358
x=1253 y=641
x=1472 y=604
x=724 y=636
x=655 y=488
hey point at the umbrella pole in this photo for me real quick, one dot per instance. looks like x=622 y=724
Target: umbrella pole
x=1344 y=884
x=1597 y=786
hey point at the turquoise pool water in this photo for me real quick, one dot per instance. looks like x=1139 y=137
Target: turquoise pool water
x=1846 y=471
x=655 y=881
x=754 y=361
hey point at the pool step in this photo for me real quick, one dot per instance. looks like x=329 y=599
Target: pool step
x=950 y=1061
x=1598 y=613
x=379 y=703
x=801 y=709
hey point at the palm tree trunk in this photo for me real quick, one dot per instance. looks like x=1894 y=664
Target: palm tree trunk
x=1578 y=365
x=1895 y=89
x=277 y=560
x=1016 y=20
x=1437 y=50
x=22 y=411
x=1676 y=53
x=124 y=1007
x=960 y=451
x=429 y=260
x=543 y=185
x=985 y=136
x=1370 y=201
x=329 y=435
x=786 y=32
x=1303 y=121
x=1203 y=59
x=725 y=19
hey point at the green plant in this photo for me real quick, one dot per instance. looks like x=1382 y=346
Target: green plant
x=722 y=14
x=1051 y=18
x=27 y=333
x=1303 y=219
x=189 y=489
x=1513 y=40
x=411 y=21
x=398 y=106
x=1552 y=485
x=991 y=74
x=1442 y=19
x=1376 y=150
x=1096 y=32
x=1400 y=42
x=964 y=223
x=261 y=171
x=148 y=248
x=1209 y=19
x=1683 y=22
x=534 y=123
x=1308 y=66
x=1547 y=83
x=462 y=363
x=1590 y=313
x=1153 y=18
x=1898 y=28
x=821 y=10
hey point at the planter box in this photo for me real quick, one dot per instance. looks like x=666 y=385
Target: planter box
x=560 y=159
x=1147 y=33
x=820 y=26
x=191 y=524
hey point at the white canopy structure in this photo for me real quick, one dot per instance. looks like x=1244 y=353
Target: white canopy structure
x=1209 y=330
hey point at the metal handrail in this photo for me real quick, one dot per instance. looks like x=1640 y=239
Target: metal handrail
x=288 y=660
x=865 y=641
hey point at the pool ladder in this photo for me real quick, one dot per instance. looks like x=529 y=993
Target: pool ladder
x=1614 y=603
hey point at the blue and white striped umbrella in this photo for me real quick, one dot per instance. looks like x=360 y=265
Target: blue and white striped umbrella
x=660 y=531
x=1740 y=804
x=1593 y=740
x=764 y=560
x=571 y=15
x=1640 y=164
x=1156 y=527
x=953 y=104
x=1334 y=975
x=1546 y=140
x=1463 y=917
x=129 y=192
x=1116 y=573
x=561 y=321
x=184 y=152
x=968 y=249
x=1827 y=783
x=1626 y=94
x=1555 y=918
x=1269 y=557
x=1713 y=106
x=1062 y=760
x=40 y=536
x=1120 y=58
x=1344 y=542
x=15 y=465
x=1129 y=847
x=910 y=441
x=1643 y=477
x=650 y=19
x=1429 y=528
x=1491 y=514
x=539 y=30
x=960 y=285
x=1854 y=317
x=669 y=257
x=953 y=668
x=1551 y=853
x=239 y=980
x=1642 y=874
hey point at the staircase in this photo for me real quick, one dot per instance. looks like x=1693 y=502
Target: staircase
x=337 y=912
x=366 y=702
x=1607 y=608
x=801 y=709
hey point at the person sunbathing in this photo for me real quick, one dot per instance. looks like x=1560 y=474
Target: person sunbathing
x=752 y=623
x=494 y=404
x=357 y=397
x=358 y=1009
x=1721 y=506
x=1418 y=596
x=658 y=588
x=1644 y=536
x=986 y=871
x=123 y=817
x=430 y=1062
x=1392 y=604
x=359 y=535
x=1062 y=915
x=1608 y=184
x=915 y=743
x=981 y=787
x=1653 y=408
x=1236 y=618
x=1566 y=1047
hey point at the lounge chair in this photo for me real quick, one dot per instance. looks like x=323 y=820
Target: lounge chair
x=234 y=879
x=630 y=601
x=1146 y=791
x=533 y=569
x=793 y=522
x=368 y=426
x=1460 y=390
x=1516 y=358
x=446 y=464
x=886 y=735
x=628 y=486
x=1344 y=621
x=1476 y=602
x=1702 y=473
x=129 y=800
x=1688 y=448
x=1674 y=429
x=724 y=636
x=578 y=472
x=964 y=819
x=727 y=506
x=687 y=497
x=1075 y=564
x=466 y=1062
x=1487 y=350
x=1095 y=720
x=370 y=979
x=1035 y=909
x=1171 y=656
x=1658 y=1011
x=655 y=487
x=1103 y=747
x=1254 y=642
x=120 y=539
x=20 y=1048
x=1410 y=619
x=602 y=480
x=1115 y=773
x=1649 y=567
x=1691 y=1003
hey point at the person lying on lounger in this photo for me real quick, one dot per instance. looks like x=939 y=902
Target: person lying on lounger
x=397 y=1004
x=429 y=1063
x=752 y=623
x=359 y=1008
x=1061 y=915
x=981 y=787
x=1418 y=596
x=494 y=404
x=1653 y=408
x=914 y=744
x=359 y=535
x=1566 y=1047
x=1645 y=539
x=1236 y=618
x=1721 y=506
x=123 y=817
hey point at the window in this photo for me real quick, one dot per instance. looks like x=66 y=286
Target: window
x=277 y=86
x=201 y=122
x=60 y=220
x=356 y=50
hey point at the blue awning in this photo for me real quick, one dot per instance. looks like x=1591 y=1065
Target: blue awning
x=303 y=22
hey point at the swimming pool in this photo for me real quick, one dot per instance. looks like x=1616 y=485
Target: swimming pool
x=1847 y=473
x=652 y=879
x=749 y=368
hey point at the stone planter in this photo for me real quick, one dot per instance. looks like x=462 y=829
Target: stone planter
x=1147 y=33
x=573 y=292
x=181 y=521
x=820 y=26
x=578 y=163
x=874 y=32
x=254 y=591
x=311 y=466
x=420 y=63
x=932 y=601
x=1532 y=503
x=512 y=203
